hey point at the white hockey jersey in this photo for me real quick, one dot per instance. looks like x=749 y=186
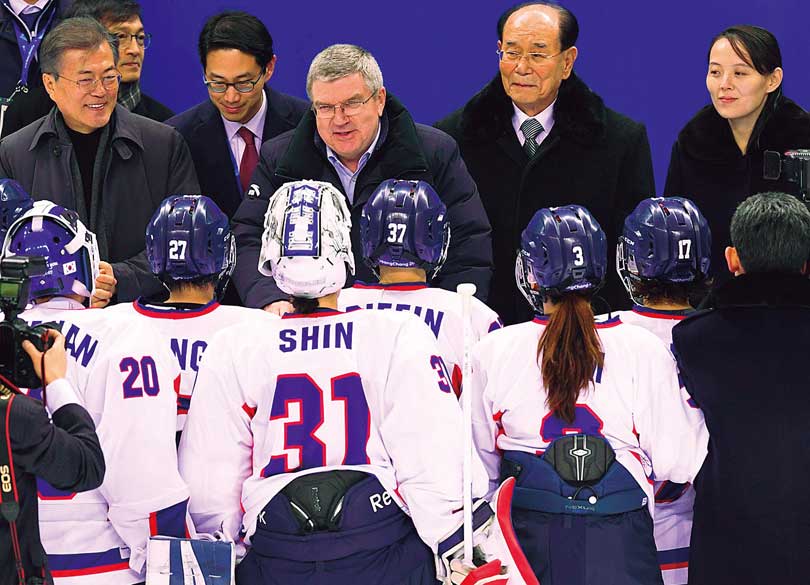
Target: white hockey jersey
x=674 y=503
x=634 y=402
x=364 y=390
x=187 y=332
x=440 y=310
x=125 y=382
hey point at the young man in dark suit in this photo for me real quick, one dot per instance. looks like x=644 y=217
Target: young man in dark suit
x=226 y=132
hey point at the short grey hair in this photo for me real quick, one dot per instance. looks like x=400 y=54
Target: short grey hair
x=338 y=61
x=771 y=232
x=83 y=33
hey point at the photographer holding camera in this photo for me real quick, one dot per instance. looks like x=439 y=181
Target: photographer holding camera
x=63 y=451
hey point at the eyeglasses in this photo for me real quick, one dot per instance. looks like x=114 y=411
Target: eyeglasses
x=240 y=86
x=533 y=58
x=88 y=84
x=349 y=108
x=143 y=39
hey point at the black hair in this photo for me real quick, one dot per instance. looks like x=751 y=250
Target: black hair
x=304 y=306
x=656 y=291
x=107 y=11
x=771 y=233
x=754 y=45
x=569 y=27
x=178 y=285
x=238 y=30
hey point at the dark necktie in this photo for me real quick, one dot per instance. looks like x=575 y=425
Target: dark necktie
x=30 y=18
x=531 y=128
x=250 y=157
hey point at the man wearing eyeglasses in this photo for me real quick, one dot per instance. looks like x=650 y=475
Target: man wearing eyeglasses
x=93 y=155
x=537 y=136
x=356 y=136
x=226 y=131
x=122 y=18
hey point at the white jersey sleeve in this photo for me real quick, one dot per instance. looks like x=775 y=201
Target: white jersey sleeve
x=215 y=466
x=670 y=430
x=484 y=423
x=125 y=381
x=422 y=430
x=136 y=428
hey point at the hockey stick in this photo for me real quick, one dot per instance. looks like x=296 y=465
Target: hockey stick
x=466 y=291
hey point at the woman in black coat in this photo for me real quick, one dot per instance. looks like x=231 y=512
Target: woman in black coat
x=717 y=160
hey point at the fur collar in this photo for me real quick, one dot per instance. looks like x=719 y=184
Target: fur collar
x=708 y=136
x=579 y=113
x=770 y=289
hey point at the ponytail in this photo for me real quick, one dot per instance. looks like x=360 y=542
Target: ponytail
x=569 y=351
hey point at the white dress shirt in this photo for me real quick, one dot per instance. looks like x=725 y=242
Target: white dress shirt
x=255 y=125
x=546 y=119
x=21 y=6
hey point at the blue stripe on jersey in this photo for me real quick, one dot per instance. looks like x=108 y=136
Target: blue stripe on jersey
x=675 y=558
x=86 y=563
x=669 y=492
x=170 y=521
x=176 y=570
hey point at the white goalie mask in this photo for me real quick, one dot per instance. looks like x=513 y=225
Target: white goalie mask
x=306 y=245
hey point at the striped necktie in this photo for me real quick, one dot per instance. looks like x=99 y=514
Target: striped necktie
x=531 y=128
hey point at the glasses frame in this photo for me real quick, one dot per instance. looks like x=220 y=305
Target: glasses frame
x=147 y=39
x=96 y=81
x=331 y=109
x=227 y=84
x=530 y=57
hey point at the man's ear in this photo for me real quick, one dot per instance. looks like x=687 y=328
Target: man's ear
x=733 y=261
x=269 y=69
x=49 y=81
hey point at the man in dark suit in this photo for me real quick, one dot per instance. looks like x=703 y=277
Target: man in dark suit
x=744 y=362
x=536 y=136
x=226 y=132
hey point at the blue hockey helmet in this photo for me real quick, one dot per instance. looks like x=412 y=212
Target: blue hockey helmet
x=14 y=201
x=665 y=239
x=69 y=248
x=404 y=224
x=189 y=237
x=563 y=249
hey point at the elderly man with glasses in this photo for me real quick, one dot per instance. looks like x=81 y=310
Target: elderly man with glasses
x=356 y=136
x=92 y=155
x=536 y=136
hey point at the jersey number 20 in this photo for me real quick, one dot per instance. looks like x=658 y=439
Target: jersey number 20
x=303 y=407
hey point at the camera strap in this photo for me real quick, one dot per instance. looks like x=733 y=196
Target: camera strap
x=9 y=499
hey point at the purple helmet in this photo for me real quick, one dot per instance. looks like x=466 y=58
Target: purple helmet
x=563 y=249
x=14 y=201
x=69 y=249
x=665 y=239
x=404 y=224
x=189 y=237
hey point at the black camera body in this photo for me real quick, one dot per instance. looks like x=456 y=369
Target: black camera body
x=15 y=365
x=793 y=166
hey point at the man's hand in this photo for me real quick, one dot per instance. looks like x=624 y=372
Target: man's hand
x=279 y=308
x=105 y=286
x=55 y=358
